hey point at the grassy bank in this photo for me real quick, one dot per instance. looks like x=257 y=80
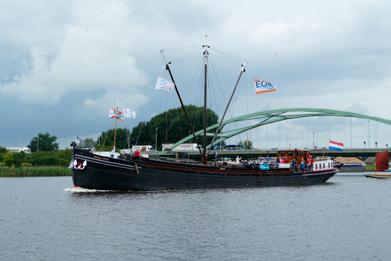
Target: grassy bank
x=370 y=167
x=41 y=171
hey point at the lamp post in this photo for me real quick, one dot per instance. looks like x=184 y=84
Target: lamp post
x=313 y=139
x=369 y=134
x=156 y=138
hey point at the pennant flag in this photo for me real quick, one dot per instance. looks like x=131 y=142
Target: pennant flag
x=163 y=84
x=335 y=145
x=128 y=113
x=117 y=114
x=121 y=114
x=262 y=86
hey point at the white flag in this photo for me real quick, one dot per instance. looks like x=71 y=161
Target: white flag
x=121 y=114
x=163 y=84
x=128 y=113
x=115 y=113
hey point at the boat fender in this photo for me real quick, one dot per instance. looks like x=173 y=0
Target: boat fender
x=71 y=164
x=75 y=164
x=79 y=166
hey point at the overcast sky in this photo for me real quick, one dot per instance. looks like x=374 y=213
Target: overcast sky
x=64 y=63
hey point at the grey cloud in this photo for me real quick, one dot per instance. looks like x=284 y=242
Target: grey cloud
x=320 y=54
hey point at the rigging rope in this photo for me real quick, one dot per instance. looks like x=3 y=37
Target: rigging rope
x=188 y=88
x=221 y=94
x=232 y=58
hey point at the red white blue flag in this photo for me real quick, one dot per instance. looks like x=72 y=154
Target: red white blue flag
x=335 y=145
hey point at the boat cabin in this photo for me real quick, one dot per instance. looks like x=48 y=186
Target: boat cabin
x=303 y=160
x=287 y=156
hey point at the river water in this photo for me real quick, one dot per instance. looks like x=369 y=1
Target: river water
x=345 y=219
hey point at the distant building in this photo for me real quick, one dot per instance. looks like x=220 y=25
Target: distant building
x=19 y=149
x=142 y=148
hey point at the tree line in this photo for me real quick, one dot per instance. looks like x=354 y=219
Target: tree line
x=45 y=150
x=167 y=127
x=41 y=158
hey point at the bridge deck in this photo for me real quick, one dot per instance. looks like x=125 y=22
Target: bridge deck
x=360 y=153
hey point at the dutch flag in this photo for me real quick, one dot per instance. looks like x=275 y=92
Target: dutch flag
x=335 y=145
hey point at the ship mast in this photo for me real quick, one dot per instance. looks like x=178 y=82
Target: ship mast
x=205 y=111
x=242 y=70
x=115 y=127
x=204 y=150
x=181 y=102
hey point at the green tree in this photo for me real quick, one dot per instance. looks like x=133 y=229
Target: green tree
x=50 y=158
x=106 y=140
x=3 y=151
x=247 y=144
x=170 y=126
x=87 y=143
x=43 y=142
x=18 y=159
x=8 y=159
x=14 y=159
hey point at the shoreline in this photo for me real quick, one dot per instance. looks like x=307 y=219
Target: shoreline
x=39 y=171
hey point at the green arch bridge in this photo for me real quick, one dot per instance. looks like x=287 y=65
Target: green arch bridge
x=258 y=119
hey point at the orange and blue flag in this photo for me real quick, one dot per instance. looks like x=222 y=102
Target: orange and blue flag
x=262 y=86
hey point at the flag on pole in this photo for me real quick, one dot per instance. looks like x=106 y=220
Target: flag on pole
x=128 y=113
x=121 y=114
x=262 y=86
x=163 y=84
x=335 y=145
x=116 y=113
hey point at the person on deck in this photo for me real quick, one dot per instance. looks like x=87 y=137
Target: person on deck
x=293 y=165
x=311 y=163
x=302 y=166
x=137 y=153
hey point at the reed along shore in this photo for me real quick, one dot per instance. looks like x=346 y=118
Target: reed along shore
x=38 y=171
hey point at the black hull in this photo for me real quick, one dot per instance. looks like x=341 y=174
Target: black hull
x=142 y=174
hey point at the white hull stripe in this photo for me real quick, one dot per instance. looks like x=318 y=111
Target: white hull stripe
x=319 y=173
x=104 y=162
